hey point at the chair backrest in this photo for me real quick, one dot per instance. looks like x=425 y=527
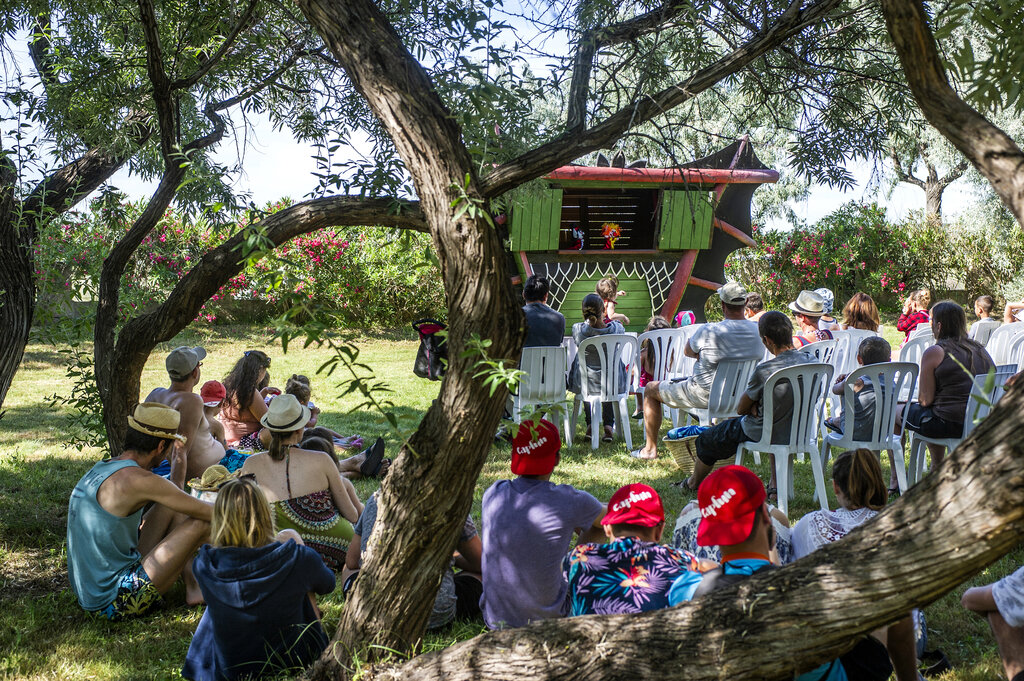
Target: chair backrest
x=982 y=329
x=684 y=365
x=983 y=397
x=824 y=351
x=1003 y=374
x=613 y=352
x=807 y=382
x=1015 y=352
x=889 y=381
x=544 y=381
x=999 y=342
x=914 y=348
x=922 y=331
x=666 y=346
x=728 y=386
x=846 y=351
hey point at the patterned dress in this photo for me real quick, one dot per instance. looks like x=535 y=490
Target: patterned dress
x=627 y=575
x=317 y=520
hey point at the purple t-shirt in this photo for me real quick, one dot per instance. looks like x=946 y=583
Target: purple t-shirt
x=527 y=527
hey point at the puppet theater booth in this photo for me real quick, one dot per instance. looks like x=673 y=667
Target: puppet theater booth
x=664 y=232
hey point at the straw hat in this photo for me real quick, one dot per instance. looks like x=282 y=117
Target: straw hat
x=213 y=478
x=808 y=303
x=158 y=420
x=285 y=415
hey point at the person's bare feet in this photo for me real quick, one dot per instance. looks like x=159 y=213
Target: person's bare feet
x=644 y=453
x=193 y=594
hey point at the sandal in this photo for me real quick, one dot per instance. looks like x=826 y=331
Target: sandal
x=374 y=459
x=684 y=485
x=636 y=454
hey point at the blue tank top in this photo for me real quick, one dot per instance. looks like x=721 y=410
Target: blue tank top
x=100 y=544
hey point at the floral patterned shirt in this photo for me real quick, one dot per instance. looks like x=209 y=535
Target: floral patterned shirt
x=623 y=576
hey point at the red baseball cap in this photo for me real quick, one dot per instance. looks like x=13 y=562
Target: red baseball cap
x=729 y=500
x=634 y=504
x=535 y=448
x=213 y=393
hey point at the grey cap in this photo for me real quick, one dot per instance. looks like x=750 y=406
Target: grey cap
x=733 y=294
x=183 y=360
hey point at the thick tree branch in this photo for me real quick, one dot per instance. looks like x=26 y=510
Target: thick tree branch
x=963 y=516
x=989 y=149
x=158 y=79
x=40 y=48
x=573 y=144
x=955 y=173
x=902 y=175
x=213 y=60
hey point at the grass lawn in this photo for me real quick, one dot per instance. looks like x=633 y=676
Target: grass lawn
x=44 y=634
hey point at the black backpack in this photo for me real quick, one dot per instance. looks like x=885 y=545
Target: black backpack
x=432 y=357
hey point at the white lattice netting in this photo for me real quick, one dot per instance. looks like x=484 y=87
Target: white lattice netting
x=658 y=274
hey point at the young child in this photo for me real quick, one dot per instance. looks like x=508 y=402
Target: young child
x=915 y=311
x=647 y=362
x=594 y=325
x=299 y=386
x=213 y=394
x=608 y=289
x=982 y=329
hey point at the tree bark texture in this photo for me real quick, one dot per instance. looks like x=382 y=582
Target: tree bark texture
x=140 y=334
x=963 y=516
x=988 y=148
x=429 y=491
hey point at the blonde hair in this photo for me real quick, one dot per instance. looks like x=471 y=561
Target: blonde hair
x=608 y=287
x=241 y=516
x=923 y=297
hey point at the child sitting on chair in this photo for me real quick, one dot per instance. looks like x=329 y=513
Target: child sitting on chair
x=595 y=325
x=647 y=362
x=608 y=289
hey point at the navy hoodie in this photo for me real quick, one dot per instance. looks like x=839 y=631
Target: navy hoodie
x=258 y=619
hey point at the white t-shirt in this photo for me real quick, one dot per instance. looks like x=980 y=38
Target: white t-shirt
x=727 y=339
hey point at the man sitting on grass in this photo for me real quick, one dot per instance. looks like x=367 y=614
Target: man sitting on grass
x=633 y=572
x=528 y=523
x=115 y=569
x=1002 y=604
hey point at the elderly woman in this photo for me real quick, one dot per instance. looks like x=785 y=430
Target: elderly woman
x=243 y=405
x=305 y=489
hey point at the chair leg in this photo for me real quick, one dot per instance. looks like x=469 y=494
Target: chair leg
x=739 y=455
x=566 y=417
x=596 y=425
x=782 y=481
x=577 y=404
x=627 y=431
x=901 y=468
x=819 y=479
x=757 y=458
x=792 y=477
x=913 y=464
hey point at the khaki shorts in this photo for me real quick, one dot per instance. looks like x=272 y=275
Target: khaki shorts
x=678 y=395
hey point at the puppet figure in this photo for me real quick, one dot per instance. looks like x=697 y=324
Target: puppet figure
x=611 y=232
x=578 y=236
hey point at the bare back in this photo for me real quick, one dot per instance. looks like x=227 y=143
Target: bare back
x=305 y=472
x=202 y=450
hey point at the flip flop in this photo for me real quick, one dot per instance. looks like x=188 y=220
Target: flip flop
x=637 y=455
x=684 y=486
x=374 y=458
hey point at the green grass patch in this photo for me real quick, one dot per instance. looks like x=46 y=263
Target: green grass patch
x=45 y=635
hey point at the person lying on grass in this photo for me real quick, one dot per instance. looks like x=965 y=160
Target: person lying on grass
x=261 y=617
x=116 y=569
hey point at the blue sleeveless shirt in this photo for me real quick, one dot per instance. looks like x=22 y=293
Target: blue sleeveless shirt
x=100 y=544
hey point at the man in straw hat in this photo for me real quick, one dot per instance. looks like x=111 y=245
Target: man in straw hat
x=528 y=523
x=115 y=569
x=202 y=449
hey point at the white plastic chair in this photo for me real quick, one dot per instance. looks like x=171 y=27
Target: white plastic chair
x=806 y=382
x=727 y=387
x=981 y=330
x=683 y=364
x=543 y=384
x=999 y=342
x=889 y=380
x=922 y=332
x=1015 y=352
x=667 y=345
x=1006 y=370
x=849 y=342
x=824 y=351
x=912 y=351
x=611 y=351
x=977 y=411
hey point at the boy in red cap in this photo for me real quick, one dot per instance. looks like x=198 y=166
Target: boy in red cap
x=528 y=523
x=213 y=394
x=633 y=572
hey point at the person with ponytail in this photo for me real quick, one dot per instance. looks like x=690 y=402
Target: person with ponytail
x=305 y=489
x=594 y=324
x=243 y=405
x=261 y=617
x=861 y=493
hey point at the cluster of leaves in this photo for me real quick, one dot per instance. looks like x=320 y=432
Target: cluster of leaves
x=856 y=248
x=368 y=276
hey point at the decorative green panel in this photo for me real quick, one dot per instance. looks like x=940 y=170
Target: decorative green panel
x=535 y=223
x=685 y=220
x=636 y=304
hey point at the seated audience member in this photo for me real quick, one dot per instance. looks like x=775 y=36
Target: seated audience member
x=458 y=597
x=915 y=311
x=632 y=572
x=305 y=490
x=736 y=518
x=857 y=481
x=261 y=617
x=720 y=441
x=116 y=570
x=944 y=385
x=1013 y=312
x=528 y=523
x=684 y=318
x=732 y=338
x=244 y=403
x=201 y=448
x=647 y=358
x=212 y=394
x=828 y=299
x=982 y=329
x=754 y=307
x=545 y=326
x=685 y=535
x=1002 y=604
x=594 y=324
x=808 y=309
x=860 y=312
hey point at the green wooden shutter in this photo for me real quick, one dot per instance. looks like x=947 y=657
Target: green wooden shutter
x=685 y=220
x=536 y=222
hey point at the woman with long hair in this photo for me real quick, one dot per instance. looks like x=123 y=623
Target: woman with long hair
x=243 y=406
x=305 y=489
x=860 y=312
x=947 y=376
x=261 y=617
x=861 y=493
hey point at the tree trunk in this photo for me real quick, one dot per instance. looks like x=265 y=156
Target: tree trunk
x=17 y=283
x=963 y=516
x=988 y=148
x=933 y=201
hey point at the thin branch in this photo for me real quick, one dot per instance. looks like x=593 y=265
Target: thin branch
x=903 y=175
x=41 y=50
x=204 y=68
x=955 y=173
